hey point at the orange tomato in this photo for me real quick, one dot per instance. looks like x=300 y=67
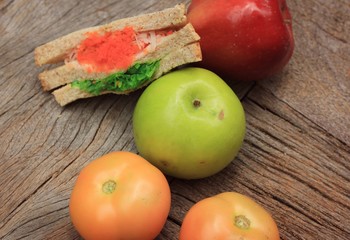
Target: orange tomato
x=228 y=216
x=120 y=196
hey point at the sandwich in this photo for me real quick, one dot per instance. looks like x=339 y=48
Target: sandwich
x=119 y=57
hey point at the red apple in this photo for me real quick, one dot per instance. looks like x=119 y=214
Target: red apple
x=243 y=39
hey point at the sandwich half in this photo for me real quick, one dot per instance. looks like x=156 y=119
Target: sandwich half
x=119 y=57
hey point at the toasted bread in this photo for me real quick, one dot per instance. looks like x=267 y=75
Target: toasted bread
x=188 y=54
x=57 y=50
x=164 y=40
x=67 y=73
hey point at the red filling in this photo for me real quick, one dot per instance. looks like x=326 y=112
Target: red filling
x=109 y=51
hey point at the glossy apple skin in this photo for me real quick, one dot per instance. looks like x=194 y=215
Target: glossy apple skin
x=184 y=138
x=243 y=39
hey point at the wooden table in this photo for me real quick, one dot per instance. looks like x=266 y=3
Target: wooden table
x=295 y=160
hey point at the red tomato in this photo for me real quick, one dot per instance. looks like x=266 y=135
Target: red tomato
x=228 y=216
x=120 y=196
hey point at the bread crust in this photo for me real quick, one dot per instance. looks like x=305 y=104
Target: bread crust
x=173 y=50
x=71 y=71
x=187 y=54
x=57 y=50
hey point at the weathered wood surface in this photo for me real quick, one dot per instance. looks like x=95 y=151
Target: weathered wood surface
x=294 y=161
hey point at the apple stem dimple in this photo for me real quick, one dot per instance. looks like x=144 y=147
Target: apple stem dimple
x=196 y=103
x=109 y=187
x=242 y=222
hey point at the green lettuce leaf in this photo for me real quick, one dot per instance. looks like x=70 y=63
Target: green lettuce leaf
x=130 y=79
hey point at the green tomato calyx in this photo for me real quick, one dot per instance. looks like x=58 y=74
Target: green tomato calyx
x=109 y=187
x=242 y=222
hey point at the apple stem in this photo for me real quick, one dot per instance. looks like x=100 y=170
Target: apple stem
x=109 y=187
x=242 y=222
x=196 y=103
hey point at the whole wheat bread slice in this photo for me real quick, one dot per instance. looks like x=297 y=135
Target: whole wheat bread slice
x=67 y=73
x=187 y=54
x=57 y=50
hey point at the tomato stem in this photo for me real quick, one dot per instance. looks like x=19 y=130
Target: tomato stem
x=196 y=103
x=242 y=222
x=109 y=187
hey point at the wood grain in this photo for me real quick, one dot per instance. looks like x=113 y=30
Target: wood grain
x=294 y=161
x=317 y=81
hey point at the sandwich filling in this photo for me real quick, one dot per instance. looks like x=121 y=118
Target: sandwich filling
x=109 y=51
x=114 y=53
x=121 y=81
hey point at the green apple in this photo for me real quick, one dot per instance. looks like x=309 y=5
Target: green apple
x=189 y=123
